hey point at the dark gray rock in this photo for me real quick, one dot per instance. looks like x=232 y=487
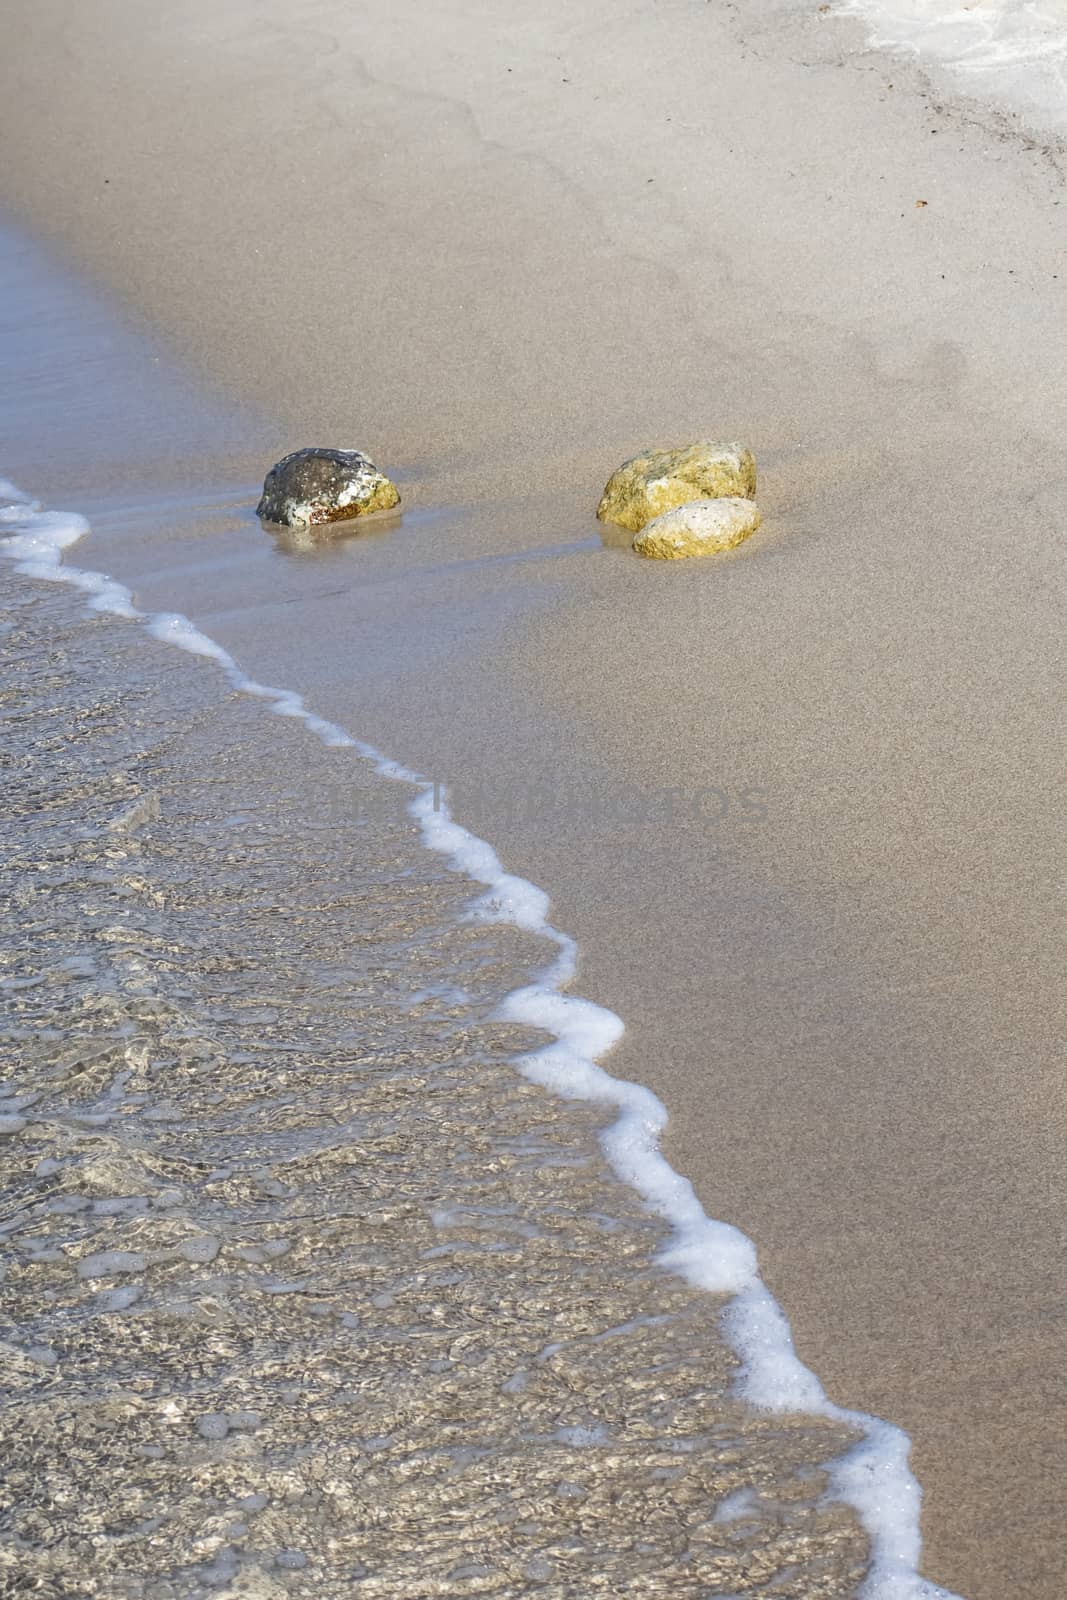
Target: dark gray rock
x=316 y=486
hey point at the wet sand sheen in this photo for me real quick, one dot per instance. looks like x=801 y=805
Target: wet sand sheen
x=304 y=1287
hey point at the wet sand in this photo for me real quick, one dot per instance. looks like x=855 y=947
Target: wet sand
x=501 y=282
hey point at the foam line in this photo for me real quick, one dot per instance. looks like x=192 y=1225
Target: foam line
x=873 y=1477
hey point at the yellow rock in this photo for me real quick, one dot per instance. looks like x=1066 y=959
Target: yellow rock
x=699 y=529
x=659 y=480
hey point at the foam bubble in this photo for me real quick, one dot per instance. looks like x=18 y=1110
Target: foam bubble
x=582 y=1436
x=742 y=1503
x=38 y=541
x=172 y=628
x=10 y=497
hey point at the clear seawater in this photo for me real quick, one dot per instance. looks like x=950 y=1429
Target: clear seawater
x=1011 y=51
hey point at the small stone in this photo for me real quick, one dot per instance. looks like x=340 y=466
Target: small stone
x=291 y=1560
x=10 y=1125
x=222 y=1571
x=702 y=528
x=213 y=1425
x=650 y=484
x=319 y=485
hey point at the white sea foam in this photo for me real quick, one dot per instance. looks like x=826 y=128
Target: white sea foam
x=1010 y=49
x=742 y=1503
x=874 y=1477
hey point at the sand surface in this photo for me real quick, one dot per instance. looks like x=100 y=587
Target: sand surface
x=501 y=248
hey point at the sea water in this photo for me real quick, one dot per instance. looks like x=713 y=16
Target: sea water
x=238 y=1035
x=1013 y=51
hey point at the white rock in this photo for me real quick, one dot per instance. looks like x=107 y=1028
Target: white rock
x=703 y=527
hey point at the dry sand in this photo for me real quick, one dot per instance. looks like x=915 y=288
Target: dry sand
x=501 y=247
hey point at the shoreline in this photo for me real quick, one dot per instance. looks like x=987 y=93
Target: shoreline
x=303 y=1276
x=871 y=1477
x=878 y=924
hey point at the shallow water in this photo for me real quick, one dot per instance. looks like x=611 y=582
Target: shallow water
x=305 y=1287
x=1013 y=50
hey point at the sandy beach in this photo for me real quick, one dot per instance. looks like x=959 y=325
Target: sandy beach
x=800 y=806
